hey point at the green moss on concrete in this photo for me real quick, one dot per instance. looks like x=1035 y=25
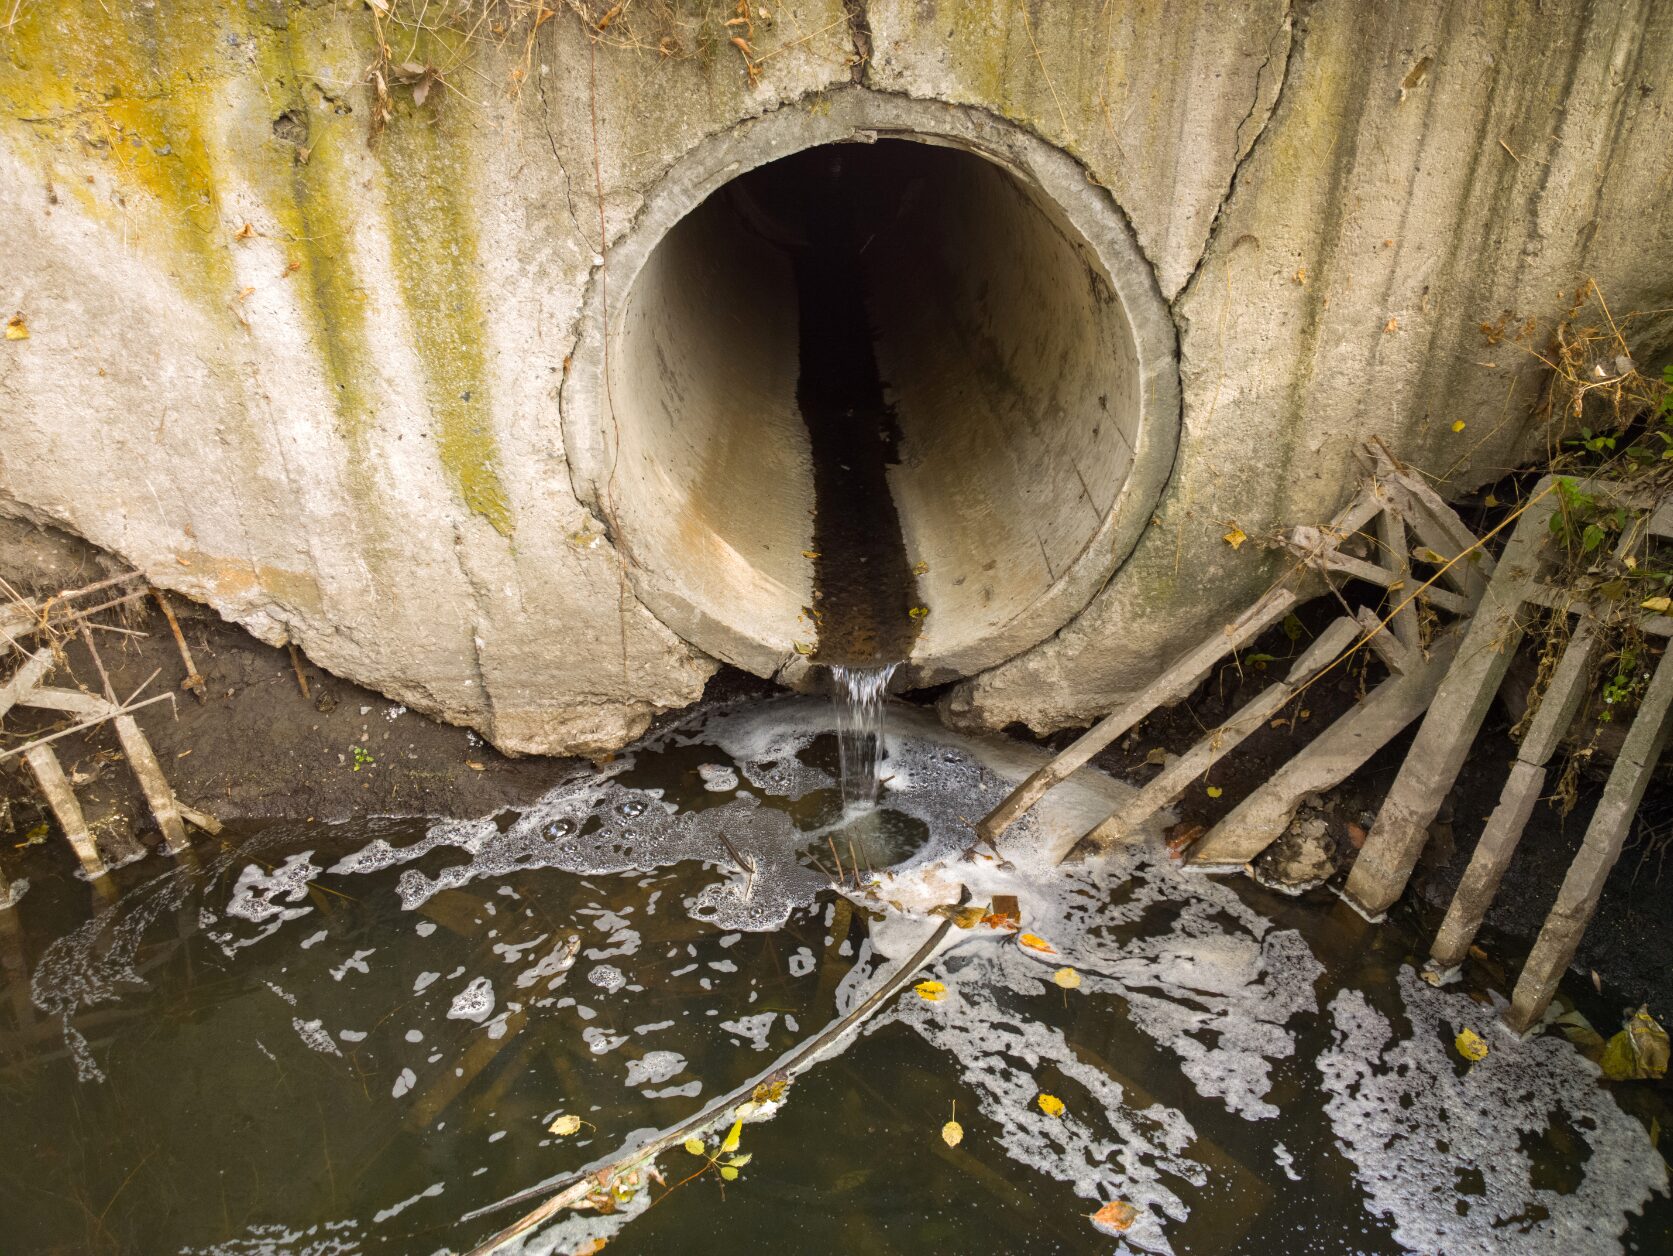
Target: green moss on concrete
x=435 y=252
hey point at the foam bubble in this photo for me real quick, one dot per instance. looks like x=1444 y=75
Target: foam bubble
x=1414 y=1120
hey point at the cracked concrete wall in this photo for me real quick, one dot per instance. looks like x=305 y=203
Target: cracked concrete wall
x=315 y=382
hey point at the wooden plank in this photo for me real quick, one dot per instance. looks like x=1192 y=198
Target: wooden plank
x=1391 y=530
x=1492 y=856
x=1173 y=684
x=86 y=705
x=1173 y=778
x=143 y=760
x=36 y=666
x=49 y=775
x=1402 y=827
x=1326 y=761
x=1583 y=886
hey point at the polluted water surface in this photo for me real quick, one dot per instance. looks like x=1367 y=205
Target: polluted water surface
x=366 y=1037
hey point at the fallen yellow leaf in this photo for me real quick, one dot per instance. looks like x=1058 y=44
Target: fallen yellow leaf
x=1393 y=325
x=918 y=612
x=1470 y=1045
x=1036 y=943
x=565 y=1125
x=1214 y=791
x=930 y=991
x=733 y=1136
x=694 y=1146
x=1115 y=1216
x=1236 y=537
x=1051 y=1105
x=728 y=1173
x=810 y=553
x=16 y=329
x=1659 y=605
x=952 y=1133
x=803 y=648
x=1068 y=978
x=1458 y=425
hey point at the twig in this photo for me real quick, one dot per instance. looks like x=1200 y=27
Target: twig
x=841 y=875
x=577 y=1187
x=193 y=681
x=296 y=666
x=76 y=728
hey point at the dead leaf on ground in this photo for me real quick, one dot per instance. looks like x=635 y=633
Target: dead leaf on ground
x=1051 y=1105
x=16 y=328
x=1356 y=835
x=565 y=1125
x=952 y=1133
x=1034 y=942
x=1236 y=537
x=1068 y=978
x=931 y=991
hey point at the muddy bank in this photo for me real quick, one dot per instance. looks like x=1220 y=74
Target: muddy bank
x=254 y=746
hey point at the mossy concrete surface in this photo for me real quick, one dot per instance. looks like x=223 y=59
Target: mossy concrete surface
x=314 y=379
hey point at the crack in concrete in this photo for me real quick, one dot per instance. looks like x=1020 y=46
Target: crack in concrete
x=859 y=34
x=1290 y=34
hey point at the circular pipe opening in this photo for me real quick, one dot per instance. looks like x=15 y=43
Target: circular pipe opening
x=865 y=381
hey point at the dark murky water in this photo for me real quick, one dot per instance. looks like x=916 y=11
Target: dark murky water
x=313 y=1042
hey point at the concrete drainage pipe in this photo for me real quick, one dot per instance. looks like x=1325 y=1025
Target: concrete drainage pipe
x=1026 y=356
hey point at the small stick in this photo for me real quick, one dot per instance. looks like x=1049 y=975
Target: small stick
x=841 y=875
x=97 y=584
x=76 y=728
x=143 y=684
x=126 y=632
x=296 y=666
x=87 y=640
x=193 y=681
x=854 y=862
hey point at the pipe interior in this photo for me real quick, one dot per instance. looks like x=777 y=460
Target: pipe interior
x=1007 y=364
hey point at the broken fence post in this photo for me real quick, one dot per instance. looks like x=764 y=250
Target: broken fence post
x=1173 y=778
x=1397 y=837
x=1172 y=685
x=1474 y=895
x=49 y=775
x=1583 y=886
x=1327 y=760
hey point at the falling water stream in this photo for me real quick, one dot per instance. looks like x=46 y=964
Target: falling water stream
x=859 y=693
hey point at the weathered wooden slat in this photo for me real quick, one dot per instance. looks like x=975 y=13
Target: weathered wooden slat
x=49 y=775
x=1172 y=685
x=1173 y=778
x=1578 y=898
x=1326 y=761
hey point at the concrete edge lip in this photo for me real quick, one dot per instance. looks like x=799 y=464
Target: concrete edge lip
x=853 y=114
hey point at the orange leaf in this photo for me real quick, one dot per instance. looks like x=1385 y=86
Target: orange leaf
x=1036 y=943
x=1115 y=1216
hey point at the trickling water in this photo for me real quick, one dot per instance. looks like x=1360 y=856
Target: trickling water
x=859 y=711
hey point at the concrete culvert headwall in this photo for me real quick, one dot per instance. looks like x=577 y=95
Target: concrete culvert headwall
x=1033 y=414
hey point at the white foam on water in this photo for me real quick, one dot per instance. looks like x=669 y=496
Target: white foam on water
x=718 y=778
x=1415 y=1121
x=429 y=1192
x=314 y=1034
x=257 y=893
x=607 y=977
x=474 y=1003
x=404 y=1082
x=752 y=1029
x=653 y=1068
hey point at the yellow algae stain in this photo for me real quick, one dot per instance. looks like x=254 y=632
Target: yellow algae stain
x=435 y=252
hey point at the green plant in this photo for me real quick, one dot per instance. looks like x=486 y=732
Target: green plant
x=362 y=757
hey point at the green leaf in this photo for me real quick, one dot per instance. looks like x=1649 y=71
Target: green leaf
x=695 y=1146
x=738 y=1162
x=1591 y=538
x=728 y=1173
